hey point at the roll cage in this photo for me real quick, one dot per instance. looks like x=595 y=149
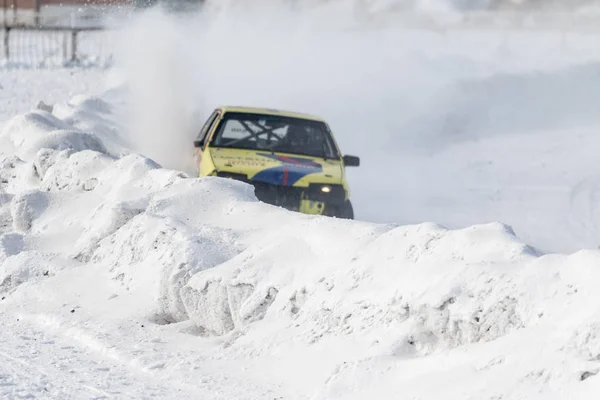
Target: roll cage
x=253 y=130
x=215 y=120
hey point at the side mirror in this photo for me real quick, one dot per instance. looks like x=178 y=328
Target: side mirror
x=351 y=161
x=198 y=143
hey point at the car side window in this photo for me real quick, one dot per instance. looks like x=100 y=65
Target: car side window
x=207 y=125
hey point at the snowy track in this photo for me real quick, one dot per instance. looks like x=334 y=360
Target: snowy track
x=37 y=364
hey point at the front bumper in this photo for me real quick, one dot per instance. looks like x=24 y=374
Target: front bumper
x=314 y=199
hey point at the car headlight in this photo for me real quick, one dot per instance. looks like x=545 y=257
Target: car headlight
x=327 y=192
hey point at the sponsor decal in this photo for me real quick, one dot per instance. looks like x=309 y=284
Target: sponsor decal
x=291 y=170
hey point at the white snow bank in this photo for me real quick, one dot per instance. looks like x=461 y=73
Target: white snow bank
x=157 y=227
x=347 y=303
x=392 y=272
x=66 y=126
x=26 y=267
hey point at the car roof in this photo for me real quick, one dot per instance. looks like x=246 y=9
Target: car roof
x=270 y=111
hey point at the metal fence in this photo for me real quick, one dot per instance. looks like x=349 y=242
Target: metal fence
x=54 y=35
x=63 y=40
x=43 y=47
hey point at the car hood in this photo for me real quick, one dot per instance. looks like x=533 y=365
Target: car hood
x=277 y=168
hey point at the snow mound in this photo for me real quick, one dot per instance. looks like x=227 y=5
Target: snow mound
x=10 y=244
x=73 y=140
x=263 y=283
x=197 y=249
x=91 y=104
x=74 y=171
x=64 y=126
x=25 y=207
x=25 y=267
x=32 y=126
x=256 y=282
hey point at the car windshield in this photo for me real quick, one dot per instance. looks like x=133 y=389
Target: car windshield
x=275 y=133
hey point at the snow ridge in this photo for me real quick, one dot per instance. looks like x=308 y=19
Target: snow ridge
x=205 y=255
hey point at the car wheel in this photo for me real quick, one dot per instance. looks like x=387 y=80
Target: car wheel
x=345 y=211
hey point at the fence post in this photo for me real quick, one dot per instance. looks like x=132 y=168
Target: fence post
x=65 y=48
x=36 y=6
x=73 y=45
x=6 y=43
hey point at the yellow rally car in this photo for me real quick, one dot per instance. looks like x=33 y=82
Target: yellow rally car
x=291 y=159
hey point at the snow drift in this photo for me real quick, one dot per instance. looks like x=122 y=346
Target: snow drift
x=377 y=307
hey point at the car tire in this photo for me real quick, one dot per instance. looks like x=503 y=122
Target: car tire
x=345 y=211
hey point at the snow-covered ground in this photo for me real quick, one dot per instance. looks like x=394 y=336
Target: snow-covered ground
x=120 y=278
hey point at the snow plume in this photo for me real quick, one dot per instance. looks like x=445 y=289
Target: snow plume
x=179 y=69
x=372 y=79
x=158 y=63
x=404 y=100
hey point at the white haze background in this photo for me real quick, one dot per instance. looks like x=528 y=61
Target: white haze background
x=423 y=108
